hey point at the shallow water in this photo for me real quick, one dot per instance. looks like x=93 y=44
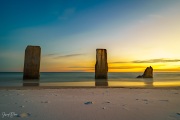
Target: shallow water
x=164 y=79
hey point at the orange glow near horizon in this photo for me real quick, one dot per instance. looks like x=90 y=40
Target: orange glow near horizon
x=119 y=67
x=86 y=63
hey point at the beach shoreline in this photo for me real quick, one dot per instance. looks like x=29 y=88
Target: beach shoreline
x=100 y=103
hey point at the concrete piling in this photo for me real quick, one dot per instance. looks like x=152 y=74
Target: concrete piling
x=32 y=62
x=101 y=66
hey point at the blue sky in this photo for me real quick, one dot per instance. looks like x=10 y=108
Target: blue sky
x=69 y=31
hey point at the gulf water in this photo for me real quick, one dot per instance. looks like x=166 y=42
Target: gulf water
x=118 y=79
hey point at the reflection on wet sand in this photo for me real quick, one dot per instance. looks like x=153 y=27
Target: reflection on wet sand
x=125 y=84
x=31 y=83
x=148 y=82
x=144 y=83
x=69 y=84
x=101 y=82
x=167 y=84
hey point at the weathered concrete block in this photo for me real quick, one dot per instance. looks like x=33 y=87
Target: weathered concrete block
x=101 y=67
x=32 y=62
x=148 y=73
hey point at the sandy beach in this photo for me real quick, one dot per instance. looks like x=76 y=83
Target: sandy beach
x=90 y=104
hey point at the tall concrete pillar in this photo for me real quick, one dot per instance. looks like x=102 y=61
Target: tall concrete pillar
x=32 y=62
x=101 y=67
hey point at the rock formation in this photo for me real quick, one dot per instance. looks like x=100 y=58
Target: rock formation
x=101 y=67
x=148 y=73
x=32 y=62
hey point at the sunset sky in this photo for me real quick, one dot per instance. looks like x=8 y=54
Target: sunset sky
x=136 y=34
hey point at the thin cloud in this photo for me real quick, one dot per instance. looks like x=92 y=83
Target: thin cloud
x=118 y=62
x=162 y=60
x=167 y=70
x=126 y=67
x=79 y=67
x=118 y=67
x=66 y=56
x=49 y=55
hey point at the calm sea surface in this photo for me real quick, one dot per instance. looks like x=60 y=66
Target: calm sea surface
x=164 y=79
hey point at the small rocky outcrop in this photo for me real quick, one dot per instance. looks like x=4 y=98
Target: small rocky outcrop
x=148 y=73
